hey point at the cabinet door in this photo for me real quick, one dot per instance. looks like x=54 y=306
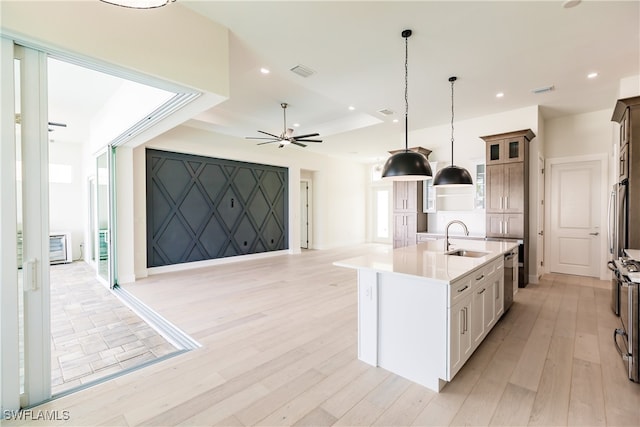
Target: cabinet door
x=513 y=150
x=411 y=227
x=498 y=293
x=477 y=315
x=489 y=304
x=623 y=163
x=400 y=195
x=513 y=225
x=494 y=152
x=459 y=335
x=494 y=180
x=495 y=225
x=513 y=187
x=412 y=196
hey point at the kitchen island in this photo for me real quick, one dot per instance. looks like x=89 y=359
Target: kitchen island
x=422 y=312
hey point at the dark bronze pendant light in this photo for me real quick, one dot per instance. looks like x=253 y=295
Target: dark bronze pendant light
x=452 y=175
x=406 y=165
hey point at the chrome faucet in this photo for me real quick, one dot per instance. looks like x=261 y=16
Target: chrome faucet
x=446 y=232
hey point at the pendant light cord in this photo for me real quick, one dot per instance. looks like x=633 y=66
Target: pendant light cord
x=452 y=80
x=406 y=91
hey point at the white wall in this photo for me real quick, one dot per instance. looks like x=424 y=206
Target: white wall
x=469 y=150
x=67 y=197
x=158 y=42
x=582 y=134
x=339 y=186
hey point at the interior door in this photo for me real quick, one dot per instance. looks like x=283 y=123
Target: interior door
x=304 y=214
x=540 y=225
x=575 y=218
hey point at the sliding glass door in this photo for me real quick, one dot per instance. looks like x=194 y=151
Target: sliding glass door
x=25 y=372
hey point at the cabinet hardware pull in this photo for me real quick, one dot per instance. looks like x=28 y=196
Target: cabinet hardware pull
x=500 y=227
x=464 y=327
x=482 y=291
x=480 y=278
x=462 y=289
x=506 y=202
x=501 y=203
x=461 y=319
x=506 y=228
x=594 y=234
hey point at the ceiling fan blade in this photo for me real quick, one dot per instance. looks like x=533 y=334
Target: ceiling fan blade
x=297 y=143
x=259 y=137
x=268 y=142
x=306 y=136
x=309 y=140
x=270 y=134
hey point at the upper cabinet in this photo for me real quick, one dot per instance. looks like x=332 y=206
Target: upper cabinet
x=508 y=147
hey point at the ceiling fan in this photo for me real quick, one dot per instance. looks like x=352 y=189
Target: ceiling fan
x=286 y=137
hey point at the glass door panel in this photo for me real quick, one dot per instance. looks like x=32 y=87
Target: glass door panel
x=102 y=223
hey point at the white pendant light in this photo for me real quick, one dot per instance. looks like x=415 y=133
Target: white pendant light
x=406 y=165
x=139 y=4
x=452 y=176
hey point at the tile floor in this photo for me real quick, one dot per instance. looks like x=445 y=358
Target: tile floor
x=93 y=333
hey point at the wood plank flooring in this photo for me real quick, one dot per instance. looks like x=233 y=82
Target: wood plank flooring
x=279 y=348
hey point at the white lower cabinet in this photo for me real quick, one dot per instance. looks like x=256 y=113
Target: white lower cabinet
x=476 y=304
x=460 y=335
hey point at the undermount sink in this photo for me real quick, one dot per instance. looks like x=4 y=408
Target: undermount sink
x=467 y=253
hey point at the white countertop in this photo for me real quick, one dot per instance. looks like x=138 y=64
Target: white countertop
x=428 y=260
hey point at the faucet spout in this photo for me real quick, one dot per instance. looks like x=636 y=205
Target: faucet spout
x=446 y=232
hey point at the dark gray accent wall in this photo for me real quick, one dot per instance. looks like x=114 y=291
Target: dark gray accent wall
x=202 y=208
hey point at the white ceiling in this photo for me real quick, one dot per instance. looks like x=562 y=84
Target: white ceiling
x=357 y=53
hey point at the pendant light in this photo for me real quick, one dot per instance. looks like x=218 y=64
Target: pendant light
x=406 y=165
x=452 y=175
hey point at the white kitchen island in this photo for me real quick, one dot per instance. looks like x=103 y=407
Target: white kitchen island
x=421 y=312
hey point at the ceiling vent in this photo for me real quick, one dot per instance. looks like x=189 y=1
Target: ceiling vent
x=386 y=112
x=543 y=89
x=303 y=71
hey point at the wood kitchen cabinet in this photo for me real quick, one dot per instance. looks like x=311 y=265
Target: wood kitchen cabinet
x=409 y=217
x=507 y=190
x=510 y=149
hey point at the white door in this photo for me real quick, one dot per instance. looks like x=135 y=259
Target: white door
x=304 y=214
x=575 y=236
x=382 y=214
x=540 y=228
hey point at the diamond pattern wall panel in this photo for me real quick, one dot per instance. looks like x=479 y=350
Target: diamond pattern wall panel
x=204 y=208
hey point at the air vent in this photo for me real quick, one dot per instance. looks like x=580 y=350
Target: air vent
x=303 y=71
x=543 y=89
x=386 y=112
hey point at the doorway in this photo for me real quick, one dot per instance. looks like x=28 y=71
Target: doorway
x=305 y=209
x=575 y=189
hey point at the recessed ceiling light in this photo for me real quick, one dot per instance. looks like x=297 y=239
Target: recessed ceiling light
x=395 y=120
x=296 y=125
x=499 y=94
x=592 y=75
x=264 y=70
x=351 y=108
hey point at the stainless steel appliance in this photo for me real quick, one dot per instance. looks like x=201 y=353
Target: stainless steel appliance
x=626 y=338
x=614 y=247
x=510 y=276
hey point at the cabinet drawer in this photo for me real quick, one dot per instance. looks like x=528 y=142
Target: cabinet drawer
x=460 y=288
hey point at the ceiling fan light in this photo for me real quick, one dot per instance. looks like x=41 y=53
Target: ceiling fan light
x=139 y=4
x=407 y=166
x=453 y=176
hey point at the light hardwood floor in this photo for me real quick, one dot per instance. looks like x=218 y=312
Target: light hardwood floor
x=279 y=348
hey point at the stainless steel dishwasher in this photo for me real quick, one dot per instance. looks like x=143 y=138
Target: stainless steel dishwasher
x=510 y=276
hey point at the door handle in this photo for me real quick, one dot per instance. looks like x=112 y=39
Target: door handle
x=541 y=233
x=594 y=234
